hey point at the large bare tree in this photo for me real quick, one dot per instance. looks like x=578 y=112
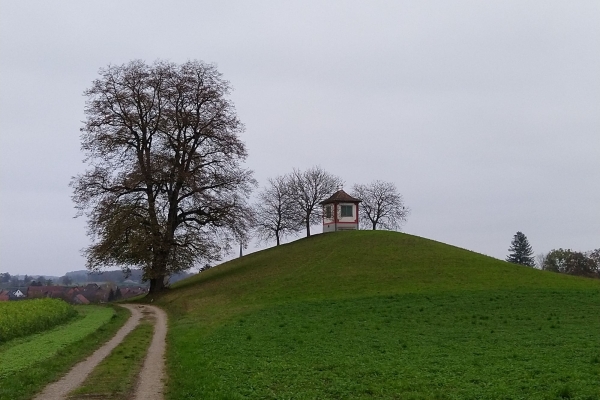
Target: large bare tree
x=382 y=205
x=275 y=211
x=308 y=188
x=165 y=188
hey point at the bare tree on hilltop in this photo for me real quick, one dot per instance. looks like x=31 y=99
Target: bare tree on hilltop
x=165 y=188
x=307 y=189
x=275 y=211
x=540 y=260
x=382 y=206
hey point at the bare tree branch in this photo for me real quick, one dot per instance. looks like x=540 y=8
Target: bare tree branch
x=275 y=211
x=382 y=206
x=307 y=190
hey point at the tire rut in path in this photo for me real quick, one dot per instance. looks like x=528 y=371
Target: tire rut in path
x=150 y=382
x=150 y=376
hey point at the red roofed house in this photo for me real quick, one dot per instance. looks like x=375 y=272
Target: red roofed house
x=57 y=292
x=80 y=299
x=340 y=212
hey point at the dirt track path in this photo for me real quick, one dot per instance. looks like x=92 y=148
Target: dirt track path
x=150 y=381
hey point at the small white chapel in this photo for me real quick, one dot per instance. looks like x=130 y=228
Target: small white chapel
x=340 y=212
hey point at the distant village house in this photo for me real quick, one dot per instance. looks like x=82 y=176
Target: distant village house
x=90 y=293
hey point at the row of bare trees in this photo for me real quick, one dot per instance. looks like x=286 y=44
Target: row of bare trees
x=291 y=202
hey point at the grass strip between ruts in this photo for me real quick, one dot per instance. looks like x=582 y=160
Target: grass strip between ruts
x=115 y=376
x=24 y=383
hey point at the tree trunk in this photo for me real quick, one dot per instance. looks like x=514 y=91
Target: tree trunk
x=307 y=227
x=157 y=284
x=374 y=225
x=157 y=271
x=277 y=237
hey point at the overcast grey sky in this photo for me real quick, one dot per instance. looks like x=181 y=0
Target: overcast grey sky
x=486 y=114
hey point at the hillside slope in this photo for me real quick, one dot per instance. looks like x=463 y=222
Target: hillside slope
x=300 y=321
x=354 y=264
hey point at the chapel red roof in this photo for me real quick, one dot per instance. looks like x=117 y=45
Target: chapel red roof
x=340 y=196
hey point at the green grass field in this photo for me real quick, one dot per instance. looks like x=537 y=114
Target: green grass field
x=28 y=363
x=381 y=315
x=21 y=318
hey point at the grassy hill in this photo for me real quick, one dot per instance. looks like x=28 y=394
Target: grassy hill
x=381 y=314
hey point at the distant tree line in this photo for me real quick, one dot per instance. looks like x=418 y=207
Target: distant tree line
x=290 y=203
x=565 y=261
x=7 y=280
x=81 y=277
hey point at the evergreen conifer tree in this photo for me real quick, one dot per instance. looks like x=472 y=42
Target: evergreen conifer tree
x=521 y=251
